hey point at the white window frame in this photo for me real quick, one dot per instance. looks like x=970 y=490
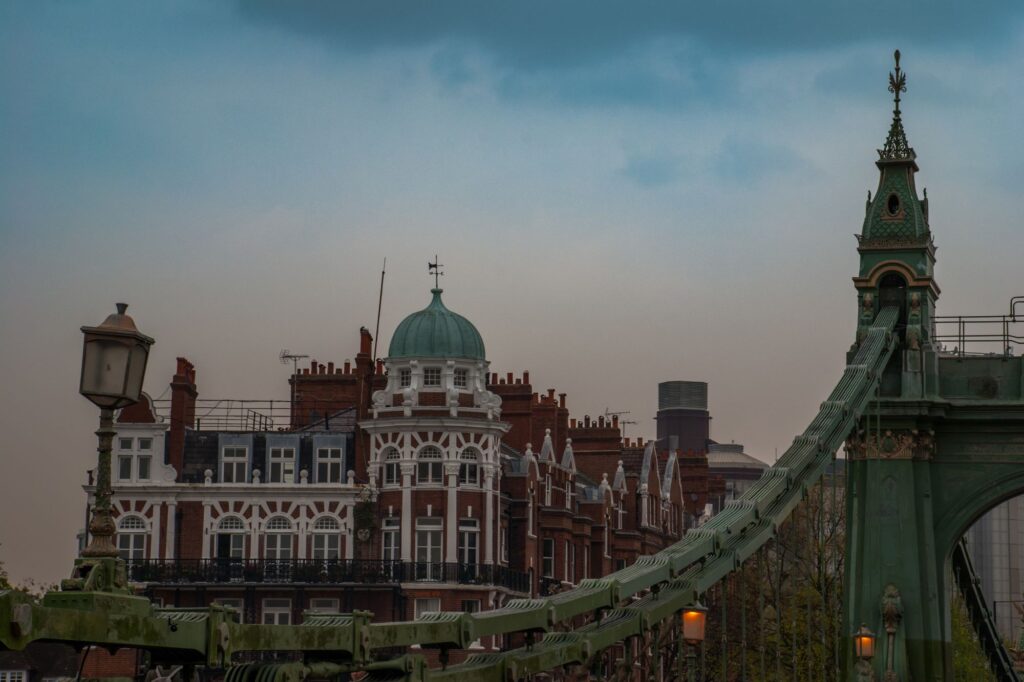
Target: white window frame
x=547 y=561
x=14 y=676
x=279 y=610
x=469 y=467
x=431 y=377
x=237 y=460
x=145 y=444
x=132 y=531
x=148 y=461
x=391 y=539
x=425 y=605
x=324 y=605
x=460 y=377
x=404 y=377
x=123 y=459
x=326 y=539
x=392 y=474
x=430 y=459
x=329 y=460
x=226 y=526
x=280 y=539
x=281 y=465
x=469 y=543
x=430 y=545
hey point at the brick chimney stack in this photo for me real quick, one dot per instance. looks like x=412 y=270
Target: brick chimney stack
x=183 y=411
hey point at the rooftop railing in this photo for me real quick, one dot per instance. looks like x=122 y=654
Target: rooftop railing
x=321 y=572
x=228 y=414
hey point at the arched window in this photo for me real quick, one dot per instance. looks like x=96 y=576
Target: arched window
x=469 y=467
x=392 y=468
x=429 y=467
x=230 y=538
x=279 y=538
x=131 y=538
x=326 y=538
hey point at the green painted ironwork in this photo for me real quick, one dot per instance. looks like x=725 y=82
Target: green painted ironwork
x=981 y=618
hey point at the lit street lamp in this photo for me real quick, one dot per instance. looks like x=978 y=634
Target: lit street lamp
x=692 y=623
x=864 y=647
x=114 y=358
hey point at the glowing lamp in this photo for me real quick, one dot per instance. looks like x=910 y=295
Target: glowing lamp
x=693 y=619
x=864 y=642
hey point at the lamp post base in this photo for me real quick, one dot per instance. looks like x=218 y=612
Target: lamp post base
x=98 y=574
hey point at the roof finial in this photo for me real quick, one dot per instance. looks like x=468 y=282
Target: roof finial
x=897 y=82
x=896 y=145
x=435 y=269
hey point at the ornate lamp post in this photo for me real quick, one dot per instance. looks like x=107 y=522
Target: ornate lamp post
x=864 y=648
x=692 y=623
x=114 y=359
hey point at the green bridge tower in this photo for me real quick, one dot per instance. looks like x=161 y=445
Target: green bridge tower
x=942 y=444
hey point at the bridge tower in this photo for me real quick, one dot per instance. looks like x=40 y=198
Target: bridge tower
x=942 y=443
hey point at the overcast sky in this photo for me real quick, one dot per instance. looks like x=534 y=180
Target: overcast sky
x=621 y=193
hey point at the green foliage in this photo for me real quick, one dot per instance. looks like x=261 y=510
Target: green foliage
x=969 y=661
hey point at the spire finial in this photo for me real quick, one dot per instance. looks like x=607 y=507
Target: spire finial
x=896 y=145
x=897 y=82
x=435 y=269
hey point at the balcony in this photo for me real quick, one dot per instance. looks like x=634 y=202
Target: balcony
x=320 y=572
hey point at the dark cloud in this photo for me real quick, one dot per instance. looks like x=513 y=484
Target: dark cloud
x=532 y=34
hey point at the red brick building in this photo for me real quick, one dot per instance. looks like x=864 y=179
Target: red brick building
x=419 y=482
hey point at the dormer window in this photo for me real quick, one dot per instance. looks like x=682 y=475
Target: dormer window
x=404 y=377
x=282 y=465
x=234 y=461
x=432 y=376
x=461 y=379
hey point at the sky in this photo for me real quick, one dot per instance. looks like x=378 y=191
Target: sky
x=621 y=194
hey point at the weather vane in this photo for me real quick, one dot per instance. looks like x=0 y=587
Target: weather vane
x=896 y=146
x=435 y=269
x=897 y=81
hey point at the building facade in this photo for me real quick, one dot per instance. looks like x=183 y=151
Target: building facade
x=416 y=483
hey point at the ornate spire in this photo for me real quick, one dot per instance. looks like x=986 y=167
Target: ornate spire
x=896 y=147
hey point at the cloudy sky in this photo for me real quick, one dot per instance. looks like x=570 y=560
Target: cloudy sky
x=622 y=193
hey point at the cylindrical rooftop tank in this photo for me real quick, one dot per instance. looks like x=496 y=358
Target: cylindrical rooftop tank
x=683 y=419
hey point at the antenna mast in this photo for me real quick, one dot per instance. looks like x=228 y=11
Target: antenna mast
x=608 y=414
x=380 y=301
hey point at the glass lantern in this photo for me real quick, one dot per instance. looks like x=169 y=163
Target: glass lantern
x=864 y=642
x=114 y=359
x=693 y=620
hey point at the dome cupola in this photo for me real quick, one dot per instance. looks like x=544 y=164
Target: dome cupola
x=436 y=332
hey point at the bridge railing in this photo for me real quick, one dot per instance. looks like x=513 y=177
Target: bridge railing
x=156 y=572
x=965 y=335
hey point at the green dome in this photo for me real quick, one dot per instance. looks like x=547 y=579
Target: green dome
x=436 y=332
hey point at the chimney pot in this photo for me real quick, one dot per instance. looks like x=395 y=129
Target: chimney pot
x=561 y=400
x=330 y=368
x=526 y=377
x=348 y=367
x=508 y=378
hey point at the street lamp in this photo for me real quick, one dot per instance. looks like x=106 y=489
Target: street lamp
x=114 y=358
x=692 y=623
x=864 y=648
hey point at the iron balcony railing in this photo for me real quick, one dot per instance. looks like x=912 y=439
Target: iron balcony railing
x=321 y=571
